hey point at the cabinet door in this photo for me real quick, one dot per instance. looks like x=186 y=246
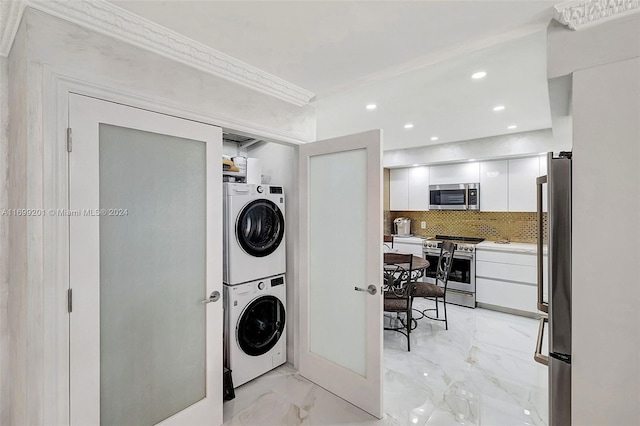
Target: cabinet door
x=399 y=189
x=522 y=184
x=454 y=173
x=419 y=188
x=494 y=186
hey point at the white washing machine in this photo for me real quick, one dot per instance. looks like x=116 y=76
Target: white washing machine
x=255 y=329
x=254 y=245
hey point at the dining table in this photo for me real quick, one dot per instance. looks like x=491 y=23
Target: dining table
x=419 y=265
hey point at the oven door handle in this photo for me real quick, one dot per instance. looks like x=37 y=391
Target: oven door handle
x=456 y=255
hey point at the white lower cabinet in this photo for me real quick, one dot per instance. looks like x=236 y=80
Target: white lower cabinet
x=507 y=279
x=407 y=245
x=506 y=294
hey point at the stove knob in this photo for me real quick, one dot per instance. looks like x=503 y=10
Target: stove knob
x=261 y=285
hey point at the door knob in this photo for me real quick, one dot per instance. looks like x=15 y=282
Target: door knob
x=371 y=289
x=213 y=298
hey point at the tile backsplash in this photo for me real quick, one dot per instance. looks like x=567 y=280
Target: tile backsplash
x=517 y=227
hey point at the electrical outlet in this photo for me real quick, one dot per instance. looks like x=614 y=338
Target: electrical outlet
x=423 y=225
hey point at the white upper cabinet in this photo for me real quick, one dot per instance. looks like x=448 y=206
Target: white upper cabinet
x=494 y=186
x=522 y=184
x=505 y=185
x=419 y=188
x=455 y=173
x=399 y=189
x=409 y=188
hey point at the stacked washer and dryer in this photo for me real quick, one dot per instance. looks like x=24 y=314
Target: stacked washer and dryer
x=254 y=283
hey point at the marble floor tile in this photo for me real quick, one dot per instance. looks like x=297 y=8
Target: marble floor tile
x=479 y=372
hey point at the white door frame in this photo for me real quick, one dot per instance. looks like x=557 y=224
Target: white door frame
x=86 y=113
x=52 y=170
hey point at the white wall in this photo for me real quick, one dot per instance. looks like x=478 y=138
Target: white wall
x=517 y=144
x=606 y=200
x=280 y=161
x=606 y=43
x=5 y=381
x=80 y=53
x=17 y=290
x=47 y=46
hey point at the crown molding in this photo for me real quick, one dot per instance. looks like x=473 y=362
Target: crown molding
x=583 y=13
x=10 y=15
x=107 y=18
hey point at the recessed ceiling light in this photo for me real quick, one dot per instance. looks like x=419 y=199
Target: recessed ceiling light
x=513 y=126
x=478 y=75
x=498 y=107
x=472 y=159
x=408 y=126
x=372 y=106
x=434 y=138
x=416 y=165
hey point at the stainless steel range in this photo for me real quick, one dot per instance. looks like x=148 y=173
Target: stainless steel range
x=461 y=289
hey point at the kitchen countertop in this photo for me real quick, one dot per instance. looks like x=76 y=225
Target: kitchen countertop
x=514 y=247
x=413 y=239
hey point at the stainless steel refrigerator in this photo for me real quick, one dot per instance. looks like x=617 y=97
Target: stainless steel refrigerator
x=554 y=287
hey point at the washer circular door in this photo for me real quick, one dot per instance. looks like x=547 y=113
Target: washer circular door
x=260 y=228
x=261 y=325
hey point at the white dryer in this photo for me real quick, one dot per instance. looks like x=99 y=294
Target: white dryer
x=254 y=245
x=254 y=328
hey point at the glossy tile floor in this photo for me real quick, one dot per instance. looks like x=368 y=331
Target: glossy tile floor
x=479 y=372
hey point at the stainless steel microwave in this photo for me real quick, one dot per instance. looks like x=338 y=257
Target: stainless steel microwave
x=463 y=196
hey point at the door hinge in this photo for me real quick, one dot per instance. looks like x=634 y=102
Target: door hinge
x=69 y=141
x=70 y=300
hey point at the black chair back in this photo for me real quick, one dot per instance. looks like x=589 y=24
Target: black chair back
x=445 y=261
x=398 y=290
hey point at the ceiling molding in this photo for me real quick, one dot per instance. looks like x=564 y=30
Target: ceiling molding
x=10 y=15
x=583 y=13
x=109 y=19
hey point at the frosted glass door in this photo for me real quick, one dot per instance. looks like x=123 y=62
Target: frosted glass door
x=341 y=232
x=152 y=275
x=142 y=341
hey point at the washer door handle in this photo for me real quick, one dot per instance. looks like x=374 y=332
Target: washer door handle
x=215 y=296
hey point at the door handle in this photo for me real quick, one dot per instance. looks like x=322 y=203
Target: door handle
x=371 y=289
x=538 y=357
x=215 y=296
x=542 y=306
x=466 y=197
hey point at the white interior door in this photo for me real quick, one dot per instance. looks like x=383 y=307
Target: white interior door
x=145 y=251
x=340 y=249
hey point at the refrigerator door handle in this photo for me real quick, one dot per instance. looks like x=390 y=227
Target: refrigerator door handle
x=542 y=306
x=538 y=357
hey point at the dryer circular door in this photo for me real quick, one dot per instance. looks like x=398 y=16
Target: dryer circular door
x=261 y=325
x=260 y=228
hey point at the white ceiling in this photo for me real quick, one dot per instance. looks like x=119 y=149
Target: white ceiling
x=412 y=57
